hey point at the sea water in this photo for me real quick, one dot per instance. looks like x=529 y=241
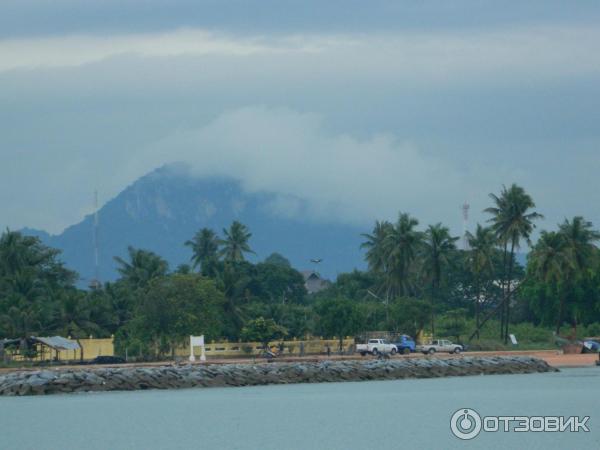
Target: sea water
x=402 y=414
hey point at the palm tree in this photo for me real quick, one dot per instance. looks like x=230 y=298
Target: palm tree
x=481 y=263
x=235 y=243
x=437 y=250
x=579 y=237
x=30 y=278
x=142 y=267
x=205 y=245
x=512 y=220
x=74 y=318
x=401 y=246
x=377 y=255
x=551 y=261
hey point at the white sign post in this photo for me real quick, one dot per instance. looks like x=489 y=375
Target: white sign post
x=197 y=341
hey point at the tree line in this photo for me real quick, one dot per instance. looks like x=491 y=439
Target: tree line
x=417 y=279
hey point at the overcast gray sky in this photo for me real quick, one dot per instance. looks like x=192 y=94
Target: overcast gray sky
x=362 y=109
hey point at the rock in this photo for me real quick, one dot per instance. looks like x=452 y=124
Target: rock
x=186 y=376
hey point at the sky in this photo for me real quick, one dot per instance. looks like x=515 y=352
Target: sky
x=360 y=109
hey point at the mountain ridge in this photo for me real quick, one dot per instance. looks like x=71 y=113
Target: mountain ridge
x=163 y=209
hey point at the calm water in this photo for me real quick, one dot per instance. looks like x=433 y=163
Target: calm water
x=344 y=416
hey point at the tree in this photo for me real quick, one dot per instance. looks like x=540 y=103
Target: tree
x=204 y=245
x=438 y=246
x=74 y=318
x=276 y=259
x=408 y=315
x=31 y=280
x=401 y=245
x=550 y=261
x=579 y=237
x=235 y=243
x=512 y=221
x=142 y=267
x=171 y=308
x=338 y=317
x=454 y=323
x=238 y=282
x=481 y=263
x=280 y=284
x=263 y=330
x=377 y=253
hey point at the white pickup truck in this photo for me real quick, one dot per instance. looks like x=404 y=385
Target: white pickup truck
x=376 y=346
x=440 y=345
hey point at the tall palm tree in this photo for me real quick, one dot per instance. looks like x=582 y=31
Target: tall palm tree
x=481 y=263
x=142 y=267
x=437 y=250
x=376 y=255
x=552 y=260
x=401 y=245
x=579 y=237
x=205 y=245
x=512 y=221
x=235 y=243
x=550 y=257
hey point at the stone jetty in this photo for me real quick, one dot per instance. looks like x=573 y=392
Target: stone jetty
x=219 y=375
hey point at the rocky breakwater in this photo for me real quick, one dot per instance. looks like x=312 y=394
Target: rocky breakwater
x=188 y=376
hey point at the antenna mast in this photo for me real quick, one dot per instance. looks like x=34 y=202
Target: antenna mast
x=95 y=283
x=465 y=212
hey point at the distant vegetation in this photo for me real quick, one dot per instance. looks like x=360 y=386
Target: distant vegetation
x=417 y=279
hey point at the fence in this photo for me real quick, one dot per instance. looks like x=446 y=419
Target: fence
x=290 y=348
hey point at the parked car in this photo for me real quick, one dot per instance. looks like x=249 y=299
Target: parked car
x=376 y=346
x=440 y=345
x=107 y=360
x=591 y=346
x=405 y=344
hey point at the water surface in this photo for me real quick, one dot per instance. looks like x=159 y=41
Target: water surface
x=364 y=415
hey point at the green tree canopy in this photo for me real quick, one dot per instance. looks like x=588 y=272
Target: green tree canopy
x=235 y=244
x=171 y=308
x=276 y=259
x=338 y=317
x=512 y=221
x=263 y=330
x=143 y=266
x=204 y=245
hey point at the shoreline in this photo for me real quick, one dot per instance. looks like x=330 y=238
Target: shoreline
x=554 y=358
x=44 y=382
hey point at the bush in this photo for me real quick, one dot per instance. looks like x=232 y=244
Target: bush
x=247 y=349
x=592 y=330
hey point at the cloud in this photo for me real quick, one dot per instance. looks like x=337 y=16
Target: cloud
x=354 y=126
x=76 y=50
x=318 y=175
x=543 y=50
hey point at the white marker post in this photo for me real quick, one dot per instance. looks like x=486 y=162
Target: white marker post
x=197 y=341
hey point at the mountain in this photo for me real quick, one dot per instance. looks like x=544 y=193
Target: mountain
x=163 y=209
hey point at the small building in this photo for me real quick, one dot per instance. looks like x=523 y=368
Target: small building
x=44 y=348
x=313 y=282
